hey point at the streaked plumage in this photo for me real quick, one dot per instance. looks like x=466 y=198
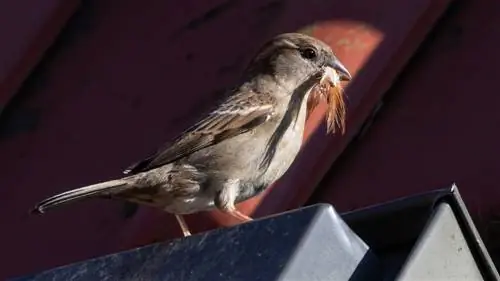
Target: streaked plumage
x=246 y=143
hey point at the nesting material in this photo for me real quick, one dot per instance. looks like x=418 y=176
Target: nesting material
x=330 y=91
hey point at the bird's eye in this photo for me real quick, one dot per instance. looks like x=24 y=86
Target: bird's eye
x=308 y=53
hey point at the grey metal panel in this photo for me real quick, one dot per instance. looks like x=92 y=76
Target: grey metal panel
x=393 y=229
x=428 y=236
x=441 y=252
x=312 y=244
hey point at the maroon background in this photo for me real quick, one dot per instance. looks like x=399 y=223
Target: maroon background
x=124 y=76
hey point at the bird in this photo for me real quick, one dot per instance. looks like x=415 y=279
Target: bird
x=245 y=143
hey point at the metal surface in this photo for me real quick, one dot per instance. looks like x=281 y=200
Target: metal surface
x=422 y=237
x=313 y=244
x=404 y=231
x=441 y=252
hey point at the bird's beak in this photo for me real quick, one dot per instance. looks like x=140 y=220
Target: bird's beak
x=341 y=70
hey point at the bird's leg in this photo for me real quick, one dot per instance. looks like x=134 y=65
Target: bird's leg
x=239 y=215
x=183 y=225
x=225 y=199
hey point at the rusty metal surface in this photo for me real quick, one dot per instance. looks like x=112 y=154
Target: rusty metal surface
x=27 y=29
x=438 y=125
x=121 y=80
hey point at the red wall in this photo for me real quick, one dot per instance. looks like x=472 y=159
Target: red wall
x=118 y=82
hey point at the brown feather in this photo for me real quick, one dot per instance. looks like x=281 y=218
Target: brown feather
x=336 y=108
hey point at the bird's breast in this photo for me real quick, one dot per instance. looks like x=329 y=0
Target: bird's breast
x=241 y=157
x=287 y=148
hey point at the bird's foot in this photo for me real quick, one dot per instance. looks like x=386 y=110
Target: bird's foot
x=239 y=215
x=183 y=225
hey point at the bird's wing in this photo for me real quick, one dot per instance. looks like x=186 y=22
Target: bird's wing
x=240 y=113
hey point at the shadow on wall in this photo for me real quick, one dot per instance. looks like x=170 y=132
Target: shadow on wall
x=127 y=75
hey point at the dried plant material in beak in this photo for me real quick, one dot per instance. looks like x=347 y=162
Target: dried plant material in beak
x=336 y=112
x=314 y=99
x=330 y=90
x=330 y=76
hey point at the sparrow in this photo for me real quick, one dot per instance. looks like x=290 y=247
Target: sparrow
x=247 y=142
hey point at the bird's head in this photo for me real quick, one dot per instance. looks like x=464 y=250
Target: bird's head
x=291 y=58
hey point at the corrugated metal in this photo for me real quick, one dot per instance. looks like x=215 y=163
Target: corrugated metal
x=119 y=82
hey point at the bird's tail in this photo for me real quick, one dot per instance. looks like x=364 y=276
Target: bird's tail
x=78 y=194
